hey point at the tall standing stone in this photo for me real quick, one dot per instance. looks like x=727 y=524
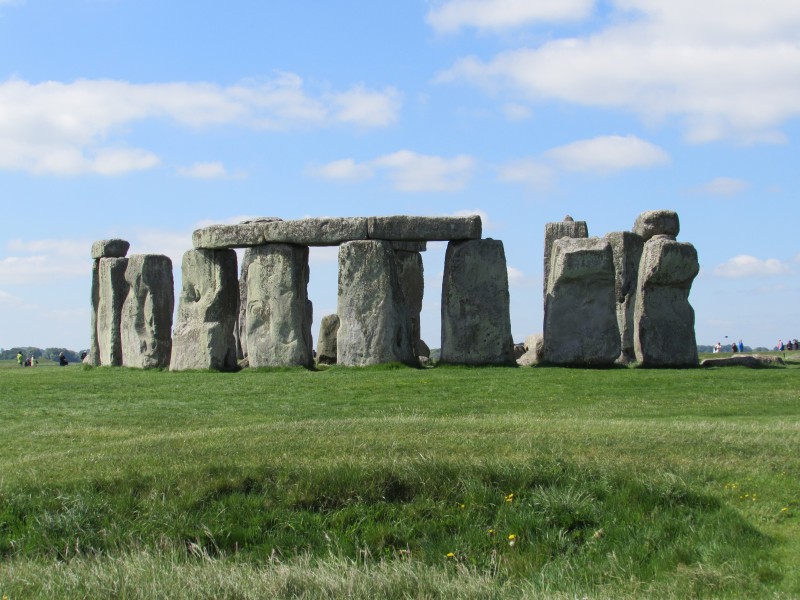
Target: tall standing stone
x=112 y=291
x=278 y=315
x=240 y=332
x=114 y=248
x=627 y=249
x=476 y=321
x=326 y=341
x=374 y=320
x=580 y=317
x=664 y=320
x=412 y=283
x=146 y=329
x=557 y=230
x=207 y=312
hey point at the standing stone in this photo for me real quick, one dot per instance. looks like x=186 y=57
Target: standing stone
x=114 y=248
x=240 y=332
x=146 y=330
x=476 y=321
x=207 y=312
x=554 y=231
x=657 y=222
x=374 y=321
x=278 y=318
x=664 y=320
x=580 y=316
x=112 y=291
x=412 y=283
x=326 y=342
x=627 y=249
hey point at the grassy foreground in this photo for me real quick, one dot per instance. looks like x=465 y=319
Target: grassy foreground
x=400 y=483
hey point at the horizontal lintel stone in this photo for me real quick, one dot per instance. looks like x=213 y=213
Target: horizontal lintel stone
x=431 y=229
x=303 y=232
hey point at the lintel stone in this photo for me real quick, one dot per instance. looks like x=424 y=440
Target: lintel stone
x=302 y=232
x=431 y=229
x=115 y=248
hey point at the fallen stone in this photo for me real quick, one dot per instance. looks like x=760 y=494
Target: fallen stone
x=146 y=330
x=663 y=318
x=374 y=320
x=657 y=222
x=423 y=351
x=555 y=231
x=302 y=232
x=753 y=361
x=114 y=248
x=410 y=228
x=207 y=312
x=112 y=291
x=476 y=322
x=580 y=317
x=534 y=351
x=326 y=341
x=627 y=251
x=278 y=320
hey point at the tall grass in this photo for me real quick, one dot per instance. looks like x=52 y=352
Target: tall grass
x=446 y=482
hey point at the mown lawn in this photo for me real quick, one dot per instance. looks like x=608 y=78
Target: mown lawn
x=400 y=483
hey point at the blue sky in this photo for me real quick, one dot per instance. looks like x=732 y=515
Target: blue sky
x=146 y=119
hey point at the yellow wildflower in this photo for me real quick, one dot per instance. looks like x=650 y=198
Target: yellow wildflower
x=451 y=555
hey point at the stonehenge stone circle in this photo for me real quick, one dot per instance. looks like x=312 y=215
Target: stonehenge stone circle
x=326 y=341
x=627 y=250
x=657 y=222
x=146 y=317
x=554 y=231
x=476 y=321
x=663 y=318
x=375 y=324
x=278 y=313
x=207 y=312
x=580 y=317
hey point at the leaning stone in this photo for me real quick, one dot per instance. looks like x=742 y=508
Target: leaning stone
x=580 y=317
x=627 y=250
x=553 y=231
x=374 y=320
x=326 y=341
x=476 y=322
x=409 y=228
x=207 y=312
x=663 y=318
x=278 y=321
x=147 y=312
x=753 y=361
x=112 y=291
x=412 y=283
x=657 y=222
x=115 y=248
x=302 y=232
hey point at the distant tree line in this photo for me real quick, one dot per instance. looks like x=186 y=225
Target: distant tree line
x=46 y=354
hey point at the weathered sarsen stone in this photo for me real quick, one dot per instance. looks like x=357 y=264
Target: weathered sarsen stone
x=374 y=320
x=412 y=283
x=410 y=228
x=627 y=249
x=326 y=342
x=556 y=230
x=112 y=291
x=664 y=320
x=657 y=222
x=476 y=322
x=207 y=312
x=146 y=329
x=580 y=317
x=278 y=316
x=114 y=248
x=323 y=231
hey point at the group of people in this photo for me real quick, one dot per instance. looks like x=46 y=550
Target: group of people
x=26 y=362
x=734 y=347
x=790 y=345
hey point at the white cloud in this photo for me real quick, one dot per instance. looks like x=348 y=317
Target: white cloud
x=517 y=278
x=209 y=170
x=607 y=154
x=346 y=169
x=725 y=68
x=723 y=186
x=69 y=128
x=530 y=171
x=517 y=112
x=749 y=266
x=504 y=14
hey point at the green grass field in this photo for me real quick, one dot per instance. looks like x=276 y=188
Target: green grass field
x=400 y=483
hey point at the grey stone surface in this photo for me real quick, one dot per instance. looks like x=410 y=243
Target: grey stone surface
x=534 y=351
x=410 y=246
x=657 y=222
x=114 y=248
x=112 y=291
x=476 y=322
x=627 y=250
x=93 y=356
x=278 y=317
x=146 y=329
x=753 y=361
x=326 y=342
x=423 y=351
x=580 y=318
x=663 y=319
x=556 y=230
x=410 y=228
x=374 y=320
x=240 y=333
x=207 y=312
x=323 y=231
x=410 y=276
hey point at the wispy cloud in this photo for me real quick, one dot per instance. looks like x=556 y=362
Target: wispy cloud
x=722 y=186
x=453 y=15
x=749 y=266
x=209 y=170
